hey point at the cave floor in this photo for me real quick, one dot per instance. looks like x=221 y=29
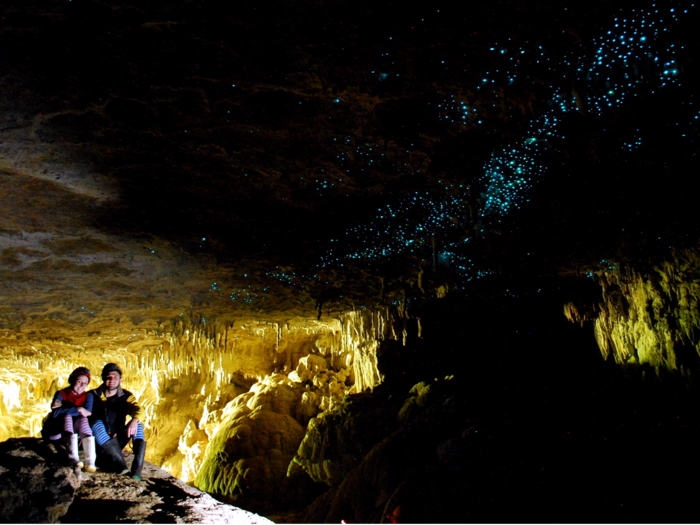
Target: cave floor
x=105 y=497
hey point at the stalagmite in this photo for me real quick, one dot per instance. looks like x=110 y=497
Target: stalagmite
x=204 y=385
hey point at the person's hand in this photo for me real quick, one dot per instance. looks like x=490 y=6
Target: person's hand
x=56 y=404
x=132 y=427
x=84 y=412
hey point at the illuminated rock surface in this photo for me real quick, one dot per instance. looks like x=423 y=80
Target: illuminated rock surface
x=335 y=442
x=651 y=318
x=107 y=299
x=289 y=224
x=185 y=381
x=35 y=488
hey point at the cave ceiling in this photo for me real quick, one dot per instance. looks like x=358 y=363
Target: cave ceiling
x=179 y=158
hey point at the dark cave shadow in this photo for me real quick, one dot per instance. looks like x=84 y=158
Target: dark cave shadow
x=98 y=511
x=114 y=511
x=171 y=495
x=111 y=511
x=37 y=446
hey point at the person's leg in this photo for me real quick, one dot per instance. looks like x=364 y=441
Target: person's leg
x=83 y=425
x=139 y=455
x=90 y=453
x=67 y=425
x=88 y=440
x=124 y=440
x=100 y=432
x=139 y=445
x=71 y=441
x=110 y=446
x=52 y=428
x=114 y=451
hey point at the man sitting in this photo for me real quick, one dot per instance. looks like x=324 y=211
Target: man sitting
x=111 y=406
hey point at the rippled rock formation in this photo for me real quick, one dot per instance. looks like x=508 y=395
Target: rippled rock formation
x=648 y=316
x=206 y=387
x=288 y=225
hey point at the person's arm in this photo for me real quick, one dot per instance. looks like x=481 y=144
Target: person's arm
x=62 y=407
x=133 y=408
x=86 y=408
x=136 y=412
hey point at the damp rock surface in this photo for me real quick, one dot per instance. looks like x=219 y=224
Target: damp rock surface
x=160 y=498
x=26 y=479
x=36 y=487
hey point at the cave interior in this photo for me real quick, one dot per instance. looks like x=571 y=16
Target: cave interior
x=365 y=261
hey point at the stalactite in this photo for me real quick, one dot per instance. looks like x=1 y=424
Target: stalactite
x=186 y=375
x=651 y=318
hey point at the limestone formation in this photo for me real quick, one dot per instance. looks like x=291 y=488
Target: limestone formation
x=375 y=453
x=650 y=318
x=337 y=440
x=255 y=441
x=249 y=454
x=185 y=377
x=248 y=458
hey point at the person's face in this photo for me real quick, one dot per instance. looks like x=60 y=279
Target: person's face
x=80 y=384
x=112 y=380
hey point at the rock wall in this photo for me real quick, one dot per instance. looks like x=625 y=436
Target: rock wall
x=249 y=453
x=650 y=319
x=194 y=379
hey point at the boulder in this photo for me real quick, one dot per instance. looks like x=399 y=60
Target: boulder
x=246 y=461
x=34 y=487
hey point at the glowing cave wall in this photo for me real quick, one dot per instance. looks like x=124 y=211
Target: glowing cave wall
x=649 y=318
x=191 y=378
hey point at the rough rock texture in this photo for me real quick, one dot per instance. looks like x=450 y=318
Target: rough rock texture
x=575 y=461
x=159 y=498
x=337 y=440
x=390 y=478
x=247 y=459
x=36 y=488
x=185 y=374
x=202 y=191
x=191 y=332
x=650 y=318
x=31 y=488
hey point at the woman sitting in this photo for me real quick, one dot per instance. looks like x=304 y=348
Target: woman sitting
x=68 y=419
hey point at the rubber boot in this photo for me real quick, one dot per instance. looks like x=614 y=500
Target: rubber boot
x=90 y=456
x=114 y=451
x=73 y=456
x=139 y=452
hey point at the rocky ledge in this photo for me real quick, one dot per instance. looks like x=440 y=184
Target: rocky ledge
x=35 y=487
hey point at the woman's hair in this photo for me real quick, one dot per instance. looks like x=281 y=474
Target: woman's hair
x=75 y=374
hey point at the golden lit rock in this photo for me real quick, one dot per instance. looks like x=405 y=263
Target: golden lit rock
x=193 y=380
x=249 y=454
x=73 y=295
x=650 y=318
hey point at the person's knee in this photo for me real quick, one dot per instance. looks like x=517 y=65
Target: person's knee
x=100 y=433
